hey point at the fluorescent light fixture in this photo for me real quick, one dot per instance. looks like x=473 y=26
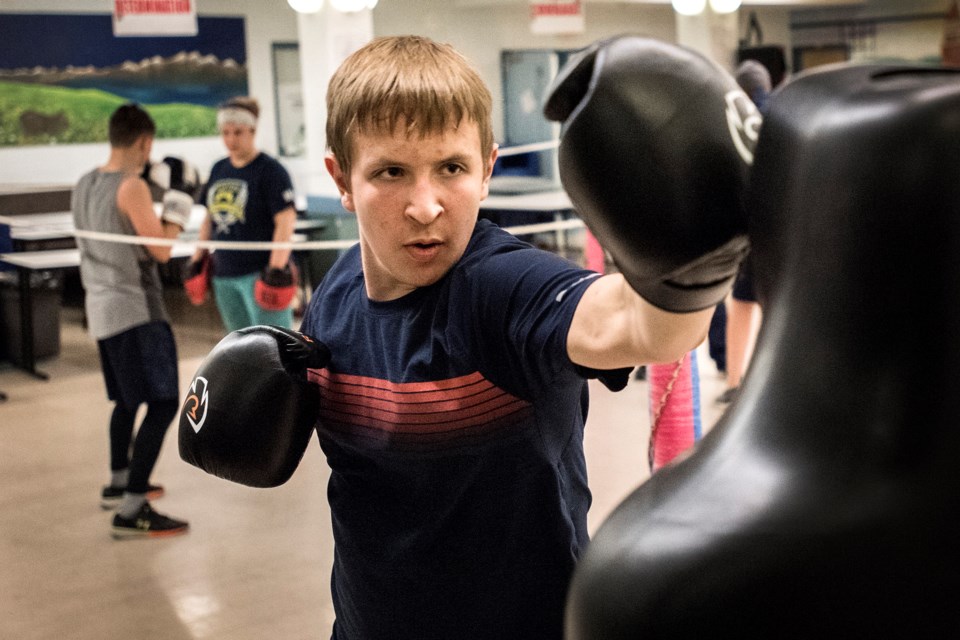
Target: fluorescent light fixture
x=689 y=7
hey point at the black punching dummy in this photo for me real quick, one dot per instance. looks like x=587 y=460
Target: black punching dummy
x=826 y=502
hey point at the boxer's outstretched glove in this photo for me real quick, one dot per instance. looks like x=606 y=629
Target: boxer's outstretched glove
x=654 y=154
x=275 y=288
x=178 y=181
x=250 y=410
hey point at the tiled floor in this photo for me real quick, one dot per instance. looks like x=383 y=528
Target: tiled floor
x=256 y=562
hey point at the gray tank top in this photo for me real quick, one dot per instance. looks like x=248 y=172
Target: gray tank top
x=121 y=281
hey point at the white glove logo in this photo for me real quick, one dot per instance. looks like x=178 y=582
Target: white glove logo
x=744 y=121
x=196 y=403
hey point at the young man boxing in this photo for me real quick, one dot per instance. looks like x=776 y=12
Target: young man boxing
x=127 y=316
x=452 y=401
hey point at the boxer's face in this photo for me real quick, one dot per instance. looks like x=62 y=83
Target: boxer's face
x=416 y=201
x=239 y=141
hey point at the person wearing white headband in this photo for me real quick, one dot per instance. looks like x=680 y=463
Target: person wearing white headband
x=249 y=197
x=240 y=116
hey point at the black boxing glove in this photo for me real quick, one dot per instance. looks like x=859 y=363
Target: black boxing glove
x=250 y=411
x=654 y=154
x=275 y=288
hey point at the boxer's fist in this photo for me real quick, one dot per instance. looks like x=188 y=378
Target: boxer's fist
x=275 y=288
x=250 y=410
x=178 y=182
x=177 y=207
x=654 y=154
x=196 y=279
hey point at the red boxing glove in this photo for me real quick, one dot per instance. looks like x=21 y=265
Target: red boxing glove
x=196 y=280
x=275 y=289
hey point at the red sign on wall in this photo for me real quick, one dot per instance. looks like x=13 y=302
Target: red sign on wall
x=154 y=18
x=556 y=16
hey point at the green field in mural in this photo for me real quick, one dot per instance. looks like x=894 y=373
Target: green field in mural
x=33 y=114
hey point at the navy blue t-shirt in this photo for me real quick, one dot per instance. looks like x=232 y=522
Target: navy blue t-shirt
x=452 y=420
x=241 y=204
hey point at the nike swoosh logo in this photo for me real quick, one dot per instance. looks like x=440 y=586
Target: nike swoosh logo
x=583 y=279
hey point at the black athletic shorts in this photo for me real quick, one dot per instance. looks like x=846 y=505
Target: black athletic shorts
x=140 y=364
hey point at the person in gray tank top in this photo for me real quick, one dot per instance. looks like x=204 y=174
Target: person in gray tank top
x=126 y=316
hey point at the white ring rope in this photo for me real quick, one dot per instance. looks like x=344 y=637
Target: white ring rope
x=308 y=245
x=227 y=245
x=528 y=148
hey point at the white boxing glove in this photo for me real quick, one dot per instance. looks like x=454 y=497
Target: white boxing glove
x=177 y=206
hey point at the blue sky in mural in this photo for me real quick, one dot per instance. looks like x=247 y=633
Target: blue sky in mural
x=79 y=40
x=83 y=39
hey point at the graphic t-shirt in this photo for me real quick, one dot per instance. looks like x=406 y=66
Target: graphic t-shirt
x=452 y=420
x=241 y=204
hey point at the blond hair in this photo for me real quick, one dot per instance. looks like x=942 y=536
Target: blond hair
x=410 y=81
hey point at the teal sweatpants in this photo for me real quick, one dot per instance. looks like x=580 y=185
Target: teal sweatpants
x=239 y=309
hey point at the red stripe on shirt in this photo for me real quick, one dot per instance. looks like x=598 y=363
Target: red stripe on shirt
x=444 y=409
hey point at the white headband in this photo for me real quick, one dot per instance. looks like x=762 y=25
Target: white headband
x=235 y=115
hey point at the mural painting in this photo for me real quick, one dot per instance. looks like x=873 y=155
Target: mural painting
x=61 y=76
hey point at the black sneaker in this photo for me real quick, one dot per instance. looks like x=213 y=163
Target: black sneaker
x=147 y=524
x=111 y=496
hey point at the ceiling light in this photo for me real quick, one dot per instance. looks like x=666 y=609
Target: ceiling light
x=689 y=7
